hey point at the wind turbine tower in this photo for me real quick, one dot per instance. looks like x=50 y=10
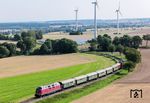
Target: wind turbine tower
x=95 y=18
x=76 y=12
x=118 y=14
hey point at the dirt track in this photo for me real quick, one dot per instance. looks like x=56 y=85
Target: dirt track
x=28 y=64
x=119 y=92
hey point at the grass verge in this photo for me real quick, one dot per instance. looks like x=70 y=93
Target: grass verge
x=68 y=97
x=14 y=89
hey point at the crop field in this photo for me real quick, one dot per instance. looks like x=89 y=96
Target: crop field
x=28 y=64
x=88 y=35
x=15 y=89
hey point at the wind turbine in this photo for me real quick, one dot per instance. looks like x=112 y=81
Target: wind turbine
x=76 y=12
x=95 y=18
x=118 y=14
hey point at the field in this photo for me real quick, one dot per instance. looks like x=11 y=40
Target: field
x=28 y=64
x=68 y=97
x=15 y=89
x=139 y=79
x=89 y=34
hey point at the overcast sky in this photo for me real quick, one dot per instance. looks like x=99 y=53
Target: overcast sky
x=43 y=10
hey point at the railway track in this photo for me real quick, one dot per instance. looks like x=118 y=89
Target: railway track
x=34 y=99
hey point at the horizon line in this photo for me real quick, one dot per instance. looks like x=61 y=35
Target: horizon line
x=43 y=21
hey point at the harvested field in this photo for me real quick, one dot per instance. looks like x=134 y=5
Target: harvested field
x=89 y=34
x=119 y=92
x=28 y=64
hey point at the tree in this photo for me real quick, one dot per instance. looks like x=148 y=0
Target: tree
x=4 y=52
x=29 y=43
x=39 y=35
x=107 y=36
x=111 y=48
x=5 y=37
x=23 y=35
x=17 y=37
x=129 y=65
x=30 y=33
x=93 y=45
x=103 y=43
x=48 y=43
x=120 y=49
x=136 y=42
x=146 y=38
x=11 y=47
x=133 y=55
x=22 y=46
x=116 y=41
x=75 y=33
x=126 y=41
x=65 y=46
x=44 y=50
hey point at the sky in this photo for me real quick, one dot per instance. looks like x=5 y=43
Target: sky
x=49 y=10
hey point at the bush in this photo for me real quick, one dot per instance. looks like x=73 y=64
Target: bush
x=103 y=42
x=65 y=46
x=133 y=55
x=75 y=33
x=44 y=50
x=5 y=37
x=136 y=42
x=120 y=49
x=17 y=37
x=4 y=52
x=36 y=52
x=129 y=65
x=61 y=46
x=39 y=35
x=11 y=47
x=111 y=48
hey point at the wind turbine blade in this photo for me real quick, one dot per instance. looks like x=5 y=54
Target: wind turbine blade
x=119 y=6
x=97 y=4
x=120 y=13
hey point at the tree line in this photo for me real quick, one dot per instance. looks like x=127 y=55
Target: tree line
x=38 y=35
x=126 y=45
x=60 y=46
x=27 y=42
x=106 y=43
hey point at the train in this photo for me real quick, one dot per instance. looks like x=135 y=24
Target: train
x=73 y=82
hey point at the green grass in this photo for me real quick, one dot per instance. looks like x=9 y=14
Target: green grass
x=14 y=89
x=68 y=97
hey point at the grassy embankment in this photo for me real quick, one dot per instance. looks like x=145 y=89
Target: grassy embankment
x=67 y=97
x=14 y=89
